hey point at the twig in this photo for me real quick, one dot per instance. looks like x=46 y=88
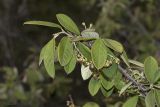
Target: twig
x=142 y=89
x=70 y=103
x=62 y=32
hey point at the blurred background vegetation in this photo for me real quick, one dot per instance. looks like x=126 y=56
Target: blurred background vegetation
x=135 y=23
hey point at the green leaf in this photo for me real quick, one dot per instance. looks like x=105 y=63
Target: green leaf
x=156 y=76
x=94 y=86
x=49 y=57
x=125 y=88
x=42 y=55
x=109 y=52
x=116 y=46
x=65 y=51
x=120 y=84
x=86 y=72
x=91 y=104
x=131 y=102
x=105 y=92
x=136 y=63
x=150 y=99
x=89 y=34
x=106 y=84
x=110 y=72
x=71 y=65
x=150 y=68
x=157 y=97
x=98 y=53
x=80 y=38
x=125 y=58
x=43 y=23
x=68 y=23
x=85 y=51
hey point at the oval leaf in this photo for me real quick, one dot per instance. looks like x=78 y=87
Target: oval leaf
x=111 y=71
x=85 y=72
x=116 y=46
x=150 y=68
x=94 y=86
x=105 y=92
x=118 y=77
x=43 y=23
x=49 y=57
x=65 y=51
x=157 y=97
x=71 y=65
x=131 y=102
x=85 y=51
x=42 y=55
x=98 y=53
x=106 y=84
x=150 y=99
x=156 y=76
x=89 y=34
x=68 y=23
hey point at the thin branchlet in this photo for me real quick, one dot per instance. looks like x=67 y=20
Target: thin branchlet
x=140 y=86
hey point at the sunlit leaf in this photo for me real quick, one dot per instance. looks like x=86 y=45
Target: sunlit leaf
x=43 y=23
x=98 y=53
x=49 y=57
x=89 y=34
x=71 y=65
x=150 y=68
x=94 y=86
x=115 y=45
x=65 y=51
x=68 y=23
x=131 y=102
x=85 y=72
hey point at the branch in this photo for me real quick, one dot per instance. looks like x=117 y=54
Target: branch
x=141 y=88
